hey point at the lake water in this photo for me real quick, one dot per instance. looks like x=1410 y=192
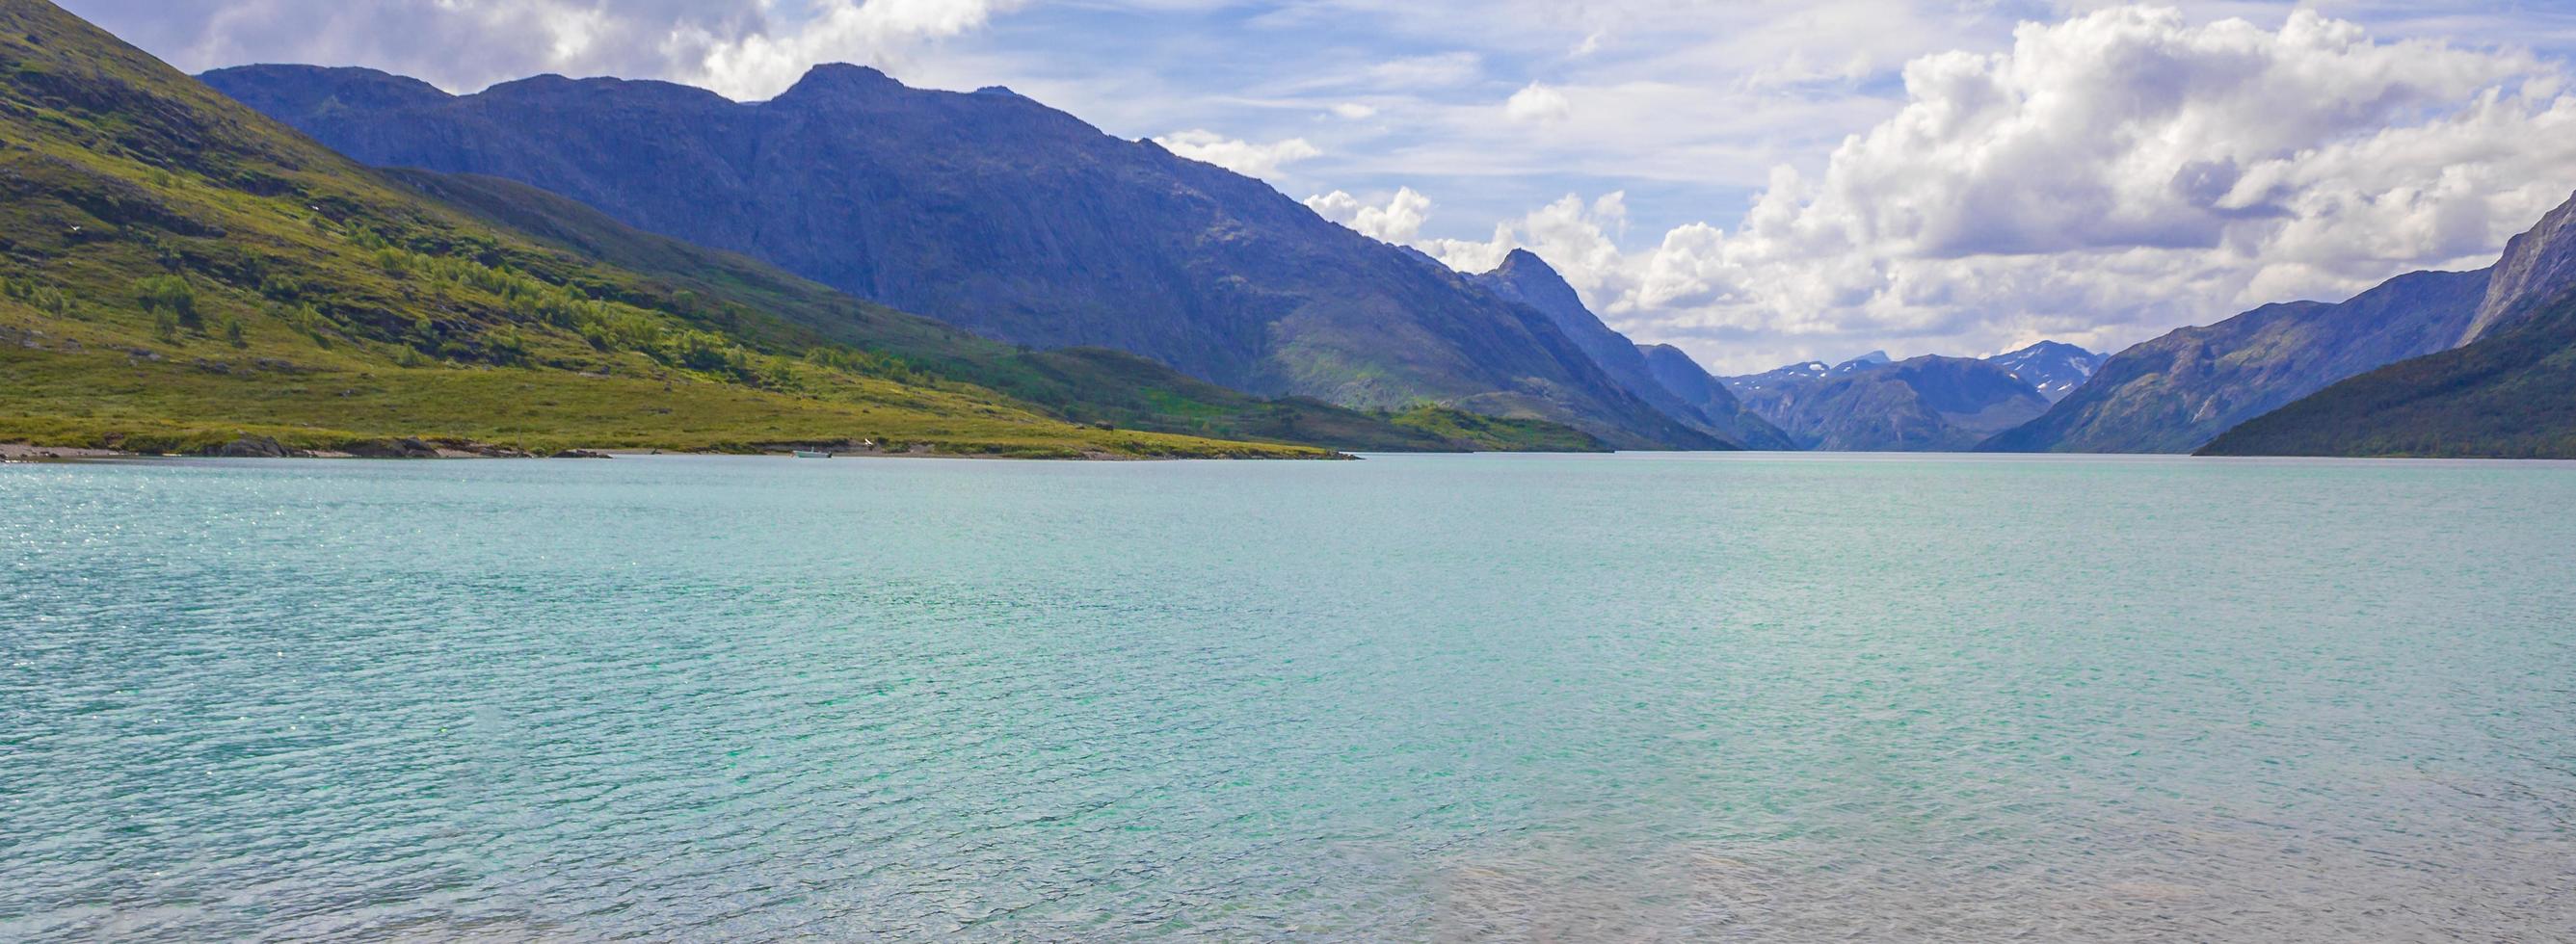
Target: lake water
x=1634 y=697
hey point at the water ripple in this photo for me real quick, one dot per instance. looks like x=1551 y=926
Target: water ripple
x=1461 y=698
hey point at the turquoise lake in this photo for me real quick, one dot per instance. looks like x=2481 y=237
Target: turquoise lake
x=1635 y=697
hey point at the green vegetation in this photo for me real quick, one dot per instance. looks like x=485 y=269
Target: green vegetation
x=1503 y=433
x=1089 y=386
x=176 y=271
x=2510 y=395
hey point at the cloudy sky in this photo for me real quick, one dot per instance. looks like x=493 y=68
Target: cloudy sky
x=1757 y=182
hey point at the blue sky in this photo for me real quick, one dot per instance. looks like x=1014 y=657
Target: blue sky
x=1758 y=182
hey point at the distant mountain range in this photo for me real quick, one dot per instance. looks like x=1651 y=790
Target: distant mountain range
x=2180 y=392
x=1873 y=403
x=1804 y=371
x=996 y=214
x=1869 y=403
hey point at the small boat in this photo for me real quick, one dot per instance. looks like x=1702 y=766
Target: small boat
x=810 y=454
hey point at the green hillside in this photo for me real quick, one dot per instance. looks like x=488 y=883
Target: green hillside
x=2510 y=395
x=1084 y=385
x=177 y=271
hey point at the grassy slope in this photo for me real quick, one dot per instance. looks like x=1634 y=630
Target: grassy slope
x=2512 y=395
x=1085 y=385
x=1506 y=434
x=296 y=294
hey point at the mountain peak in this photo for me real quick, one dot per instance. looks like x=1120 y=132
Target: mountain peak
x=838 y=80
x=355 y=86
x=1526 y=271
x=1526 y=278
x=2045 y=347
x=2054 y=368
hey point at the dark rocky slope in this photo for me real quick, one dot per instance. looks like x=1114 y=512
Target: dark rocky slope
x=1695 y=386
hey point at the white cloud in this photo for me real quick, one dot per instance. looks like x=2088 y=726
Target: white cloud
x=1239 y=156
x=755 y=64
x=1399 y=221
x=1578 y=239
x=2106 y=178
x=1423 y=72
x=1537 y=102
x=747 y=49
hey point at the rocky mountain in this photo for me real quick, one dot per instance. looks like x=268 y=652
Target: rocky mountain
x=2177 y=392
x=2509 y=394
x=1695 y=386
x=1868 y=404
x=2052 y=368
x=999 y=215
x=179 y=273
x=1705 y=406
x=1090 y=386
x=2536 y=268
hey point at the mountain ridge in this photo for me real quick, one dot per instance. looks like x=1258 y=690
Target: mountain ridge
x=2177 y=392
x=2509 y=394
x=1868 y=404
x=2536 y=266
x=181 y=273
x=1083 y=385
x=1526 y=278
x=1002 y=216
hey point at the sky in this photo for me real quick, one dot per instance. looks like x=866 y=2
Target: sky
x=1759 y=183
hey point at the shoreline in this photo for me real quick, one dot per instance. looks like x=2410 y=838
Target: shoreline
x=416 y=449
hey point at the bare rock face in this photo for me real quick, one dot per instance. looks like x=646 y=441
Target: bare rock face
x=255 y=447
x=2537 y=267
x=404 y=448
